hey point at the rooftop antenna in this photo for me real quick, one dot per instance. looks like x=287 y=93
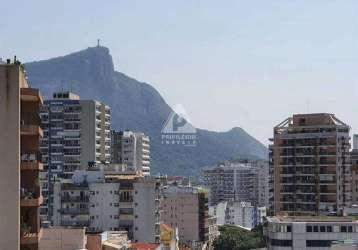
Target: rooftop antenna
x=98 y=40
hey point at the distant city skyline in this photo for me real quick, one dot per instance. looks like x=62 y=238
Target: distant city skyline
x=243 y=63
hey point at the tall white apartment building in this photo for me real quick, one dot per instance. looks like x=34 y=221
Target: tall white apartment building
x=76 y=133
x=247 y=182
x=132 y=149
x=110 y=199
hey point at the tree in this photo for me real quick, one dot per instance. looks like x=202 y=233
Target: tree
x=235 y=238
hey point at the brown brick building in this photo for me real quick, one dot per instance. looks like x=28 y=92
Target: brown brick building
x=310 y=165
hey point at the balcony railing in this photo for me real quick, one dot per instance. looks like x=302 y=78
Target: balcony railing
x=29 y=94
x=30 y=124
x=68 y=198
x=74 y=210
x=76 y=223
x=31 y=197
x=31 y=161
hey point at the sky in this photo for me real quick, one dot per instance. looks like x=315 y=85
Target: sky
x=248 y=64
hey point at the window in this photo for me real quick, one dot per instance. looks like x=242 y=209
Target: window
x=289 y=229
x=343 y=229
x=315 y=229
x=286 y=243
x=322 y=229
x=308 y=229
x=318 y=243
x=329 y=229
x=350 y=229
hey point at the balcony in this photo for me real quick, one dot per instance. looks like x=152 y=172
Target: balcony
x=31 y=161
x=31 y=198
x=30 y=124
x=126 y=217
x=31 y=130
x=74 y=211
x=31 y=95
x=74 y=199
x=71 y=186
x=28 y=238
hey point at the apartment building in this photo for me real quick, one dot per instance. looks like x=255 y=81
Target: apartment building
x=234 y=181
x=303 y=232
x=111 y=199
x=354 y=168
x=20 y=160
x=237 y=213
x=76 y=133
x=186 y=208
x=61 y=238
x=132 y=149
x=310 y=165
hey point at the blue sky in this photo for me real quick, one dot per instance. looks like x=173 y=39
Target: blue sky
x=230 y=63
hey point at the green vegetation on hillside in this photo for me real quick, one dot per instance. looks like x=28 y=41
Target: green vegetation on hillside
x=235 y=238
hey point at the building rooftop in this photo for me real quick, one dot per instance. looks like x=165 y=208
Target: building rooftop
x=231 y=166
x=289 y=219
x=144 y=246
x=184 y=190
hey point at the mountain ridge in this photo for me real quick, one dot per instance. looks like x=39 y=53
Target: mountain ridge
x=138 y=106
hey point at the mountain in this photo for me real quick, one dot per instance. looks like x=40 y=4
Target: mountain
x=139 y=107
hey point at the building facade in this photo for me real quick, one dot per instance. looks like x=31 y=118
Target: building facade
x=20 y=159
x=241 y=214
x=110 y=199
x=232 y=181
x=308 y=232
x=310 y=165
x=76 y=133
x=132 y=149
x=354 y=167
x=186 y=208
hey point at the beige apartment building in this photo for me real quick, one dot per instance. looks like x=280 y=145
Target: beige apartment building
x=310 y=165
x=186 y=208
x=20 y=161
